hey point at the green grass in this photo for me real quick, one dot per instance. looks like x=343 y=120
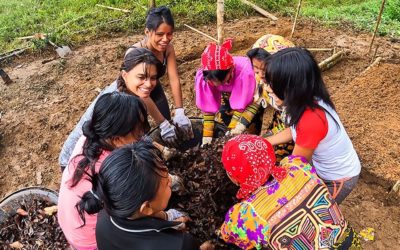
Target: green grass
x=74 y=21
x=360 y=13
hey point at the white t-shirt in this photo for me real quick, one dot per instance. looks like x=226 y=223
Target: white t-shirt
x=335 y=157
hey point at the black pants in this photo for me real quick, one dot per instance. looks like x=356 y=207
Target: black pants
x=159 y=98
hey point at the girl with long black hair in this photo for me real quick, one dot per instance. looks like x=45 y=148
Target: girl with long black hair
x=296 y=82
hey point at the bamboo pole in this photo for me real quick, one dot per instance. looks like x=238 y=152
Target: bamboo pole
x=220 y=21
x=295 y=19
x=376 y=62
x=260 y=10
x=200 y=32
x=152 y=3
x=331 y=61
x=320 y=49
x=13 y=53
x=112 y=8
x=377 y=24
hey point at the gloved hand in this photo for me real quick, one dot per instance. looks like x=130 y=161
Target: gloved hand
x=176 y=183
x=173 y=214
x=239 y=129
x=206 y=140
x=168 y=133
x=168 y=153
x=183 y=123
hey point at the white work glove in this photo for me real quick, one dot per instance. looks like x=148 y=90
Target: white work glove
x=183 y=124
x=176 y=183
x=168 y=153
x=173 y=214
x=168 y=133
x=206 y=141
x=239 y=129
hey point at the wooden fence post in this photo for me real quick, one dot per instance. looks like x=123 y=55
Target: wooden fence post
x=220 y=21
x=152 y=3
x=295 y=19
x=377 y=25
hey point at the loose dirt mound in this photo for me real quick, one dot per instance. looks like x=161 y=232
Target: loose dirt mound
x=370 y=109
x=46 y=100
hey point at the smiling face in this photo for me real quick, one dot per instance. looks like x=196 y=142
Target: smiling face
x=141 y=79
x=160 y=38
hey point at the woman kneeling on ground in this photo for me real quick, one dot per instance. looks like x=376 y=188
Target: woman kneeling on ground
x=133 y=187
x=314 y=126
x=285 y=207
x=159 y=33
x=138 y=77
x=225 y=87
x=118 y=119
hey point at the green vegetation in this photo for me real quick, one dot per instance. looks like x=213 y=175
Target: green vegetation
x=74 y=21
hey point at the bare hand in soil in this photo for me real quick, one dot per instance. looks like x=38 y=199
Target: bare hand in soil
x=207 y=246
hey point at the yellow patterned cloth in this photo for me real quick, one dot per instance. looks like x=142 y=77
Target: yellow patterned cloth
x=272 y=43
x=296 y=213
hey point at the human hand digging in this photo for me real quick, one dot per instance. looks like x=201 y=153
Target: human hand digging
x=207 y=246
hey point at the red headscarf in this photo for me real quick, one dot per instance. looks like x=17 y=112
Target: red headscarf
x=217 y=57
x=250 y=160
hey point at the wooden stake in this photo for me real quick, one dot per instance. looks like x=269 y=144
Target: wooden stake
x=376 y=62
x=152 y=3
x=220 y=21
x=331 y=61
x=377 y=25
x=320 y=49
x=5 y=77
x=198 y=31
x=295 y=19
x=260 y=10
x=376 y=51
x=112 y=8
x=13 y=53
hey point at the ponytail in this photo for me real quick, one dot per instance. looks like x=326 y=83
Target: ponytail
x=91 y=201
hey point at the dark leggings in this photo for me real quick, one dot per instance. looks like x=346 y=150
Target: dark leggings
x=159 y=98
x=340 y=189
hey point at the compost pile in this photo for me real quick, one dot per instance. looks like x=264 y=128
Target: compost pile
x=209 y=193
x=34 y=226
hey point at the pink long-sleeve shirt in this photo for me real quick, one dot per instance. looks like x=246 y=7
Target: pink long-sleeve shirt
x=82 y=238
x=241 y=87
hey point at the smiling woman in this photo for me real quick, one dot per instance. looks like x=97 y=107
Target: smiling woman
x=158 y=35
x=138 y=77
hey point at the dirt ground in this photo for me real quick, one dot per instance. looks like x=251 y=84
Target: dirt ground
x=45 y=101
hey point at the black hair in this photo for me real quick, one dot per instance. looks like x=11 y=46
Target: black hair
x=259 y=54
x=215 y=75
x=134 y=57
x=114 y=114
x=296 y=79
x=157 y=16
x=127 y=178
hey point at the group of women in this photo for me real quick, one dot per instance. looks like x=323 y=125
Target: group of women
x=115 y=185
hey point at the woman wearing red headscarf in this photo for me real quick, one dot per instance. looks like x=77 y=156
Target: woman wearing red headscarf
x=225 y=87
x=285 y=207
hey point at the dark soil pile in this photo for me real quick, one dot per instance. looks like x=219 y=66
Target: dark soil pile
x=32 y=228
x=209 y=192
